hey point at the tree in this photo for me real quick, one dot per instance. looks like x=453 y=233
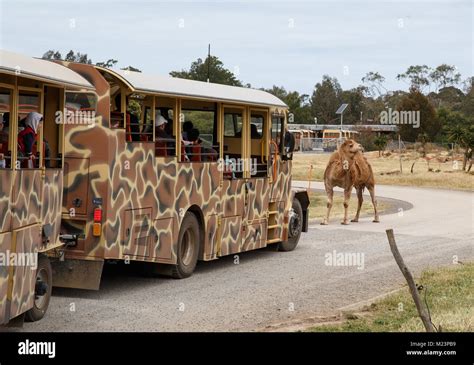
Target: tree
x=429 y=122
x=380 y=142
x=459 y=129
x=76 y=57
x=107 y=64
x=374 y=82
x=355 y=99
x=217 y=72
x=326 y=99
x=445 y=75
x=297 y=103
x=418 y=76
x=131 y=68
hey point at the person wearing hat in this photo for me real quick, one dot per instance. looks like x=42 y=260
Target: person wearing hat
x=164 y=142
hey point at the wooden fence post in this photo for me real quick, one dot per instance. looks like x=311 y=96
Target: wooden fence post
x=422 y=311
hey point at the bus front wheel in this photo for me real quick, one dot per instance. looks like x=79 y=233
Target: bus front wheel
x=295 y=226
x=43 y=289
x=188 y=247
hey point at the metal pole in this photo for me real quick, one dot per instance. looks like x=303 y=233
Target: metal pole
x=400 y=153
x=208 y=62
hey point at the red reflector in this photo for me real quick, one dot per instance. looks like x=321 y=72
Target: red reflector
x=97 y=215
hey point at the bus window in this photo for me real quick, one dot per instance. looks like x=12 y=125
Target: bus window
x=52 y=156
x=232 y=125
x=133 y=125
x=257 y=144
x=233 y=121
x=276 y=132
x=116 y=115
x=5 y=109
x=199 y=131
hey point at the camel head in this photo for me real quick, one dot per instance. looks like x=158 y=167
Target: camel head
x=350 y=148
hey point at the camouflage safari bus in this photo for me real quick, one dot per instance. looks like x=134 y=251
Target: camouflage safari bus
x=174 y=171
x=32 y=91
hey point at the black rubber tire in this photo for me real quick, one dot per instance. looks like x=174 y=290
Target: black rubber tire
x=188 y=235
x=292 y=241
x=36 y=313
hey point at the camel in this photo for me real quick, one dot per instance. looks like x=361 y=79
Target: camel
x=348 y=168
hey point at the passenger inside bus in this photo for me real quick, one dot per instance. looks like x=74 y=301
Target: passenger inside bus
x=195 y=148
x=4 y=134
x=164 y=142
x=27 y=138
x=254 y=132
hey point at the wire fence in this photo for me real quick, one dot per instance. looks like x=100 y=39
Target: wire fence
x=318 y=145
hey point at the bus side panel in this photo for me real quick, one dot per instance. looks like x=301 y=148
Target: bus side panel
x=231 y=239
x=233 y=198
x=233 y=210
x=6 y=177
x=281 y=193
x=26 y=198
x=25 y=241
x=282 y=183
x=258 y=197
x=51 y=207
x=5 y=248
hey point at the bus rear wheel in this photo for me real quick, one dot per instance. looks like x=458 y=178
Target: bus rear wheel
x=188 y=247
x=43 y=289
x=295 y=227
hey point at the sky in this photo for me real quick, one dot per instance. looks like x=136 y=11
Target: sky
x=265 y=43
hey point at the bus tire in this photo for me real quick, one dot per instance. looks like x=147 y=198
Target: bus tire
x=188 y=247
x=43 y=289
x=295 y=227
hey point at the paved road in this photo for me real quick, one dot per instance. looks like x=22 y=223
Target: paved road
x=269 y=287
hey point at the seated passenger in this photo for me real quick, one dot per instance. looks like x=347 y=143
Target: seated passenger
x=27 y=137
x=164 y=142
x=3 y=140
x=195 y=147
x=254 y=132
x=187 y=126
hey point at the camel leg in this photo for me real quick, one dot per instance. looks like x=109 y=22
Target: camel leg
x=347 y=197
x=360 y=199
x=330 y=193
x=374 y=203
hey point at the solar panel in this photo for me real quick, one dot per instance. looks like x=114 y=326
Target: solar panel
x=341 y=109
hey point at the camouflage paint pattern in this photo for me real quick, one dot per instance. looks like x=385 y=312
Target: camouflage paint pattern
x=30 y=200
x=144 y=198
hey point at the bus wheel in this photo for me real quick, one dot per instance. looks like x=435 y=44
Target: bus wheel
x=43 y=289
x=188 y=247
x=294 y=227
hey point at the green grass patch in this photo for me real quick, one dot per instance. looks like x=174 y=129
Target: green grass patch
x=450 y=298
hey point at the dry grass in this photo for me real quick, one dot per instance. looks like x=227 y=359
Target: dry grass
x=449 y=297
x=446 y=178
x=318 y=207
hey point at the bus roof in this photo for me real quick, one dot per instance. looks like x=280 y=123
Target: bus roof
x=43 y=70
x=168 y=85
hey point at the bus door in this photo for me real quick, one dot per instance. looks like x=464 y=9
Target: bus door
x=256 y=192
x=233 y=179
x=280 y=179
